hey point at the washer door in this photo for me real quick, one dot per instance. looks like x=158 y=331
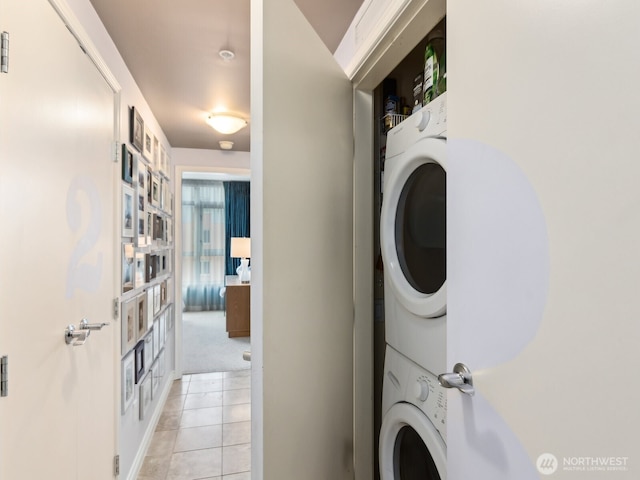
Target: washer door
x=410 y=446
x=413 y=232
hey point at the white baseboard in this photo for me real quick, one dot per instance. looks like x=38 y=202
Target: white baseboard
x=151 y=428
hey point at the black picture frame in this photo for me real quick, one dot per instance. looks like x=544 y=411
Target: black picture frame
x=139 y=349
x=127 y=164
x=152 y=267
x=136 y=129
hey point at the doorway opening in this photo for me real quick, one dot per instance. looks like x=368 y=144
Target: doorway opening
x=209 y=218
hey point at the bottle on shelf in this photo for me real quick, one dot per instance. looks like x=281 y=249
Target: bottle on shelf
x=434 y=51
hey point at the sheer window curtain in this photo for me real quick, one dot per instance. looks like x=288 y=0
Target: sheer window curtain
x=203 y=250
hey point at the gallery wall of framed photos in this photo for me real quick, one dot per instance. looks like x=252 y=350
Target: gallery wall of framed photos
x=146 y=300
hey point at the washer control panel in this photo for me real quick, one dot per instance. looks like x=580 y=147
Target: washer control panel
x=430 y=121
x=408 y=382
x=429 y=396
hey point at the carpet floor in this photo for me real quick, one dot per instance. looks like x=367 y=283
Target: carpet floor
x=207 y=347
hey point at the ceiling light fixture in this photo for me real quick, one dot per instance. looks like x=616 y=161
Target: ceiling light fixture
x=226 y=144
x=225 y=123
x=226 y=55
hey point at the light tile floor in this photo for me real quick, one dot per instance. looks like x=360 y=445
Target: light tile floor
x=204 y=431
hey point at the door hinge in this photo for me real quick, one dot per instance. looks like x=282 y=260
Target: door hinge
x=115 y=154
x=4 y=52
x=116 y=465
x=116 y=308
x=4 y=376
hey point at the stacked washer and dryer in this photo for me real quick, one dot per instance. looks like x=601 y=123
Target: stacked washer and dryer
x=413 y=241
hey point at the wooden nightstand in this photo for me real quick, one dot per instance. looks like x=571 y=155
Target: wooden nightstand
x=238 y=304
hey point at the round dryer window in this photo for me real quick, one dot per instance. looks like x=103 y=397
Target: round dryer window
x=410 y=447
x=413 y=232
x=421 y=228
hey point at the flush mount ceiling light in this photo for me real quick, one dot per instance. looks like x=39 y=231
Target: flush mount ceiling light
x=226 y=144
x=225 y=123
x=226 y=55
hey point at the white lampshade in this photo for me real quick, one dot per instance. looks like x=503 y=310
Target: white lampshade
x=225 y=123
x=240 y=247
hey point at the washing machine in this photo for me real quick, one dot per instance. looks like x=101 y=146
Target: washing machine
x=413 y=236
x=413 y=433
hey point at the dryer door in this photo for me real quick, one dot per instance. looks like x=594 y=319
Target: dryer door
x=410 y=446
x=413 y=231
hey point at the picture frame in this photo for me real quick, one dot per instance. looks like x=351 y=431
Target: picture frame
x=136 y=129
x=127 y=164
x=139 y=360
x=170 y=317
x=127 y=267
x=163 y=293
x=149 y=294
x=163 y=333
x=147 y=145
x=158 y=228
x=156 y=337
x=145 y=396
x=127 y=211
x=141 y=190
x=162 y=267
x=140 y=277
x=163 y=160
x=152 y=270
x=169 y=289
x=155 y=191
x=162 y=194
x=141 y=173
x=167 y=197
x=156 y=154
x=148 y=349
x=127 y=390
x=141 y=315
x=149 y=227
x=156 y=299
x=167 y=164
x=128 y=325
x=141 y=217
x=148 y=186
x=169 y=232
x=155 y=379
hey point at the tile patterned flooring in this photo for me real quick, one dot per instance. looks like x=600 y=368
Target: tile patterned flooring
x=204 y=431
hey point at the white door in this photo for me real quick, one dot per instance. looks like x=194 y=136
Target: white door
x=302 y=263
x=544 y=232
x=56 y=251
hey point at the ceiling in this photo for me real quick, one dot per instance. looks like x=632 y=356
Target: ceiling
x=171 y=49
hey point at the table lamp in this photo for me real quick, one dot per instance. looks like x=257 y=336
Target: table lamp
x=241 y=248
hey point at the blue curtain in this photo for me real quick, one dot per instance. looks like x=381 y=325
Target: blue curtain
x=203 y=252
x=237 y=218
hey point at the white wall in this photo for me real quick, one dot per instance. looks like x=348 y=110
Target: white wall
x=211 y=159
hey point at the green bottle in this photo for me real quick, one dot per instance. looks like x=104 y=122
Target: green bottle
x=442 y=75
x=430 y=74
x=434 y=49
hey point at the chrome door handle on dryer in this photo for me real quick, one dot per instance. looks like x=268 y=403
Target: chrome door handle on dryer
x=460 y=379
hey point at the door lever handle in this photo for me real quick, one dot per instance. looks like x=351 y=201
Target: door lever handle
x=460 y=379
x=79 y=335
x=75 y=337
x=85 y=325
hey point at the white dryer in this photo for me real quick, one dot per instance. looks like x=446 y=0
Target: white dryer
x=413 y=237
x=412 y=442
